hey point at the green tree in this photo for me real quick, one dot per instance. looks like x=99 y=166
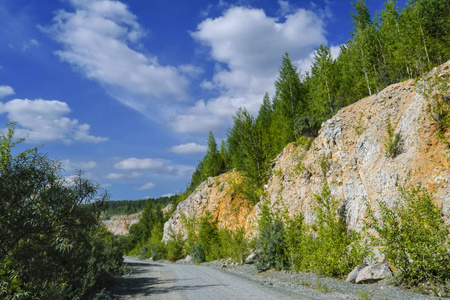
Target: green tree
x=213 y=163
x=51 y=242
x=289 y=100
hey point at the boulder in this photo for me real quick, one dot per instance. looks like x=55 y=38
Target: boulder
x=353 y=274
x=374 y=273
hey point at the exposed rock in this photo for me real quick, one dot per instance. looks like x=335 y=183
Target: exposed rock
x=353 y=274
x=359 y=173
x=119 y=225
x=374 y=273
x=250 y=258
x=217 y=196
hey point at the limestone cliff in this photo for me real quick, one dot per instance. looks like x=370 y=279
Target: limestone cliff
x=119 y=225
x=352 y=145
x=217 y=196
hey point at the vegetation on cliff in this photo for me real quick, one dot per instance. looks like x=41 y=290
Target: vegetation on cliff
x=396 y=44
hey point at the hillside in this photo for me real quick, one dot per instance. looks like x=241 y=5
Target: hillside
x=350 y=154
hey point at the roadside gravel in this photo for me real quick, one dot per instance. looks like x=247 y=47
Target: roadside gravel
x=317 y=287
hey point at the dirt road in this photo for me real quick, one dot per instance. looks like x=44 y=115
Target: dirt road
x=151 y=280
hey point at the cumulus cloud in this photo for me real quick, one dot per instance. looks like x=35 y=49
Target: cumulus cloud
x=248 y=47
x=189 y=148
x=6 y=90
x=44 y=120
x=117 y=176
x=83 y=165
x=149 y=164
x=147 y=186
x=98 y=38
x=114 y=176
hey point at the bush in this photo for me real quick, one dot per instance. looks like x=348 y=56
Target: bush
x=234 y=244
x=174 y=247
x=392 y=141
x=52 y=243
x=414 y=237
x=335 y=250
x=271 y=248
x=198 y=253
x=208 y=237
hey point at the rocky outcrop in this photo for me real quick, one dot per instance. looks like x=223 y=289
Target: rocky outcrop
x=359 y=173
x=217 y=196
x=351 y=149
x=119 y=225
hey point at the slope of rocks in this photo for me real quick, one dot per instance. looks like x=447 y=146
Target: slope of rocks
x=216 y=195
x=352 y=146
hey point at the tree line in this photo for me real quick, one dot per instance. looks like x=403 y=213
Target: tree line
x=396 y=44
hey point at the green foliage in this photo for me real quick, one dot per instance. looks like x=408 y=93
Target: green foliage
x=198 y=253
x=335 y=250
x=52 y=245
x=436 y=90
x=213 y=163
x=392 y=142
x=175 y=247
x=289 y=101
x=271 y=252
x=234 y=244
x=414 y=237
x=208 y=237
x=324 y=164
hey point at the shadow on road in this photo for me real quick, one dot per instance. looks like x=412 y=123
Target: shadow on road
x=145 y=286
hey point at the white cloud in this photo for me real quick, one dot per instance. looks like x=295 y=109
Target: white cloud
x=30 y=44
x=114 y=176
x=97 y=39
x=189 y=148
x=83 y=165
x=6 y=90
x=168 y=195
x=149 y=164
x=248 y=46
x=147 y=186
x=117 y=176
x=44 y=120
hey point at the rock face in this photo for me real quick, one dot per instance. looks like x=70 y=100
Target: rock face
x=119 y=225
x=215 y=195
x=351 y=146
x=359 y=173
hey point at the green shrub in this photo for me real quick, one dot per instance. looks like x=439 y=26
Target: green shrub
x=324 y=164
x=271 y=247
x=414 y=237
x=392 y=142
x=174 y=247
x=198 y=253
x=334 y=250
x=208 y=236
x=295 y=237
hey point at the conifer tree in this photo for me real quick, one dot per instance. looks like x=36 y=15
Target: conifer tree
x=213 y=163
x=289 y=101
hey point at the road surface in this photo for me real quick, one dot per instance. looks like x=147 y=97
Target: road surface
x=151 y=280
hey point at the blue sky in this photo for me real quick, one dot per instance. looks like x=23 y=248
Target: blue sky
x=128 y=90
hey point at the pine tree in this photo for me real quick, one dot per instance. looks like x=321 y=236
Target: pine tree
x=213 y=164
x=289 y=101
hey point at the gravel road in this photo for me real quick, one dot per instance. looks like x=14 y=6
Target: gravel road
x=219 y=280
x=151 y=280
